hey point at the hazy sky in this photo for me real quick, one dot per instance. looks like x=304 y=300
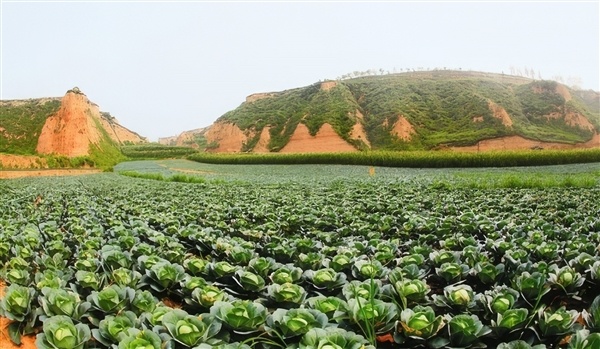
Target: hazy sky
x=165 y=67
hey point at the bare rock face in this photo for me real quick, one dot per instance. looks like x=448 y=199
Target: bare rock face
x=78 y=124
x=228 y=136
x=72 y=129
x=263 y=141
x=328 y=85
x=358 y=132
x=403 y=129
x=325 y=141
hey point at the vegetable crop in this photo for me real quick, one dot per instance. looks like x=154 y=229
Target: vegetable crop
x=114 y=262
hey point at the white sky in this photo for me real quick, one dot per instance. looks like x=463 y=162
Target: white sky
x=165 y=67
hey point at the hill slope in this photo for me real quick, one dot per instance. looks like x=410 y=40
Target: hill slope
x=72 y=127
x=422 y=110
x=192 y=138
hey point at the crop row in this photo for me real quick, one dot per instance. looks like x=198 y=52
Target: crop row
x=110 y=261
x=414 y=159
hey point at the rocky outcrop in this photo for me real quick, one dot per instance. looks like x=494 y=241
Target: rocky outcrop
x=77 y=125
x=72 y=129
x=227 y=137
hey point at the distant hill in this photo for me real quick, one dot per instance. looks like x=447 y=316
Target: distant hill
x=420 y=110
x=70 y=126
x=192 y=138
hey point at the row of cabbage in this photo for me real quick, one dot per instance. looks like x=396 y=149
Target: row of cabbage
x=119 y=263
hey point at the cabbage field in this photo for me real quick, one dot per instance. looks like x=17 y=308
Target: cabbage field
x=310 y=256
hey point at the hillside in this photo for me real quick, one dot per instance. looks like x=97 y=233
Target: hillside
x=70 y=126
x=192 y=138
x=421 y=110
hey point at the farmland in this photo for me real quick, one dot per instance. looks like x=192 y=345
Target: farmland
x=304 y=256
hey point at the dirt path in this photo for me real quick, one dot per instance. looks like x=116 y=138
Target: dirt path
x=46 y=173
x=27 y=342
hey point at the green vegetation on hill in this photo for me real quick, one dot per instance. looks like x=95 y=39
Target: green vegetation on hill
x=589 y=102
x=441 y=111
x=106 y=153
x=445 y=108
x=21 y=123
x=283 y=111
x=539 y=99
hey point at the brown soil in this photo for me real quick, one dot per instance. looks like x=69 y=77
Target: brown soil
x=326 y=140
x=171 y=303
x=358 y=131
x=359 y=115
x=521 y=143
x=572 y=119
x=403 y=129
x=564 y=92
x=500 y=113
x=9 y=161
x=27 y=342
x=478 y=119
x=328 y=85
x=46 y=173
x=229 y=137
x=263 y=141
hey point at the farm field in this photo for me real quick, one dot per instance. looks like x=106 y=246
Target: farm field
x=304 y=256
x=579 y=175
